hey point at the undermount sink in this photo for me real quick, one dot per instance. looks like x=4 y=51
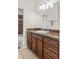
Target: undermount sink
x=42 y=31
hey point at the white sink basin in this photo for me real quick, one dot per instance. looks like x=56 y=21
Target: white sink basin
x=42 y=31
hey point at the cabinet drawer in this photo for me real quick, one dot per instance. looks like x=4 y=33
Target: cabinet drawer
x=28 y=33
x=29 y=40
x=46 y=56
x=51 y=48
x=28 y=37
x=51 y=54
x=36 y=36
x=51 y=41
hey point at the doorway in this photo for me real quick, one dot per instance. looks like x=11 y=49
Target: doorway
x=20 y=28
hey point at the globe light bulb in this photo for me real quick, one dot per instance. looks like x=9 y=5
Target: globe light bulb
x=51 y=5
x=43 y=5
x=40 y=7
x=48 y=3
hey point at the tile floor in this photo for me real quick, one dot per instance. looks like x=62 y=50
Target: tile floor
x=19 y=55
x=26 y=54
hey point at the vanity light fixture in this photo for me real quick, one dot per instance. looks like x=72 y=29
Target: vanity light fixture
x=46 y=4
x=47 y=7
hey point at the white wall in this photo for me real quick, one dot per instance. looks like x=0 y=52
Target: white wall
x=28 y=10
x=31 y=17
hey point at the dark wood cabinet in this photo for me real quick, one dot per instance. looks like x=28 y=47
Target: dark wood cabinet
x=34 y=45
x=39 y=47
x=20 y=24
x=44 y=47
x=29 y=40
x=20 y=21
x=51 y=48
x=47 y=54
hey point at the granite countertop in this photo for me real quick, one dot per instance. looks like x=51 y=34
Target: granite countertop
x=48 y=34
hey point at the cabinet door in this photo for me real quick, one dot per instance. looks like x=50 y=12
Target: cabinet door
x=29 y=44
x=52 y=41
x=34 y=45
x=47 y=56
x=29 y=41
x=39 y=48
x=50 y=47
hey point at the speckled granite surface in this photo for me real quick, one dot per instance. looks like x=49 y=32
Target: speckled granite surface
x=50 y=35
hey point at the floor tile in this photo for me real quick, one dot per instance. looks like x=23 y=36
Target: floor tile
x=27 y=54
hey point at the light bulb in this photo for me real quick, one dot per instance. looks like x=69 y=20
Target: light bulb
x=40 y=7
x=43 y=5
x=48 y=3
x=51 y=6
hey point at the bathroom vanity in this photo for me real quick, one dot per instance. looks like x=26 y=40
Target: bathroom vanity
x=45 y=45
